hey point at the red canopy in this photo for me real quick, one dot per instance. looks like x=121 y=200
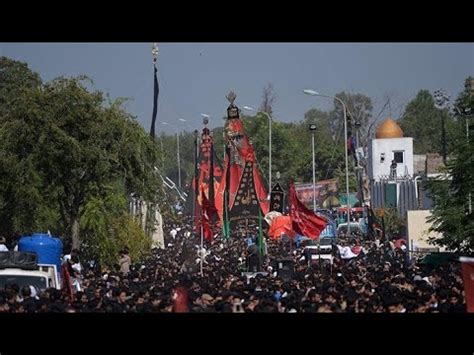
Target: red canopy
x=281 y=225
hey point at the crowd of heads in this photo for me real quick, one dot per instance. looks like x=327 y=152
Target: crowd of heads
x=382 y=278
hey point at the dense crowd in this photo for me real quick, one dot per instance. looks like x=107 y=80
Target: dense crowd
x=380 y=279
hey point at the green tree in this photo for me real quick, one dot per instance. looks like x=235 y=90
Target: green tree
x=392 y=221
x=422 y=121
x=451 y=215
x=268 y=99
x=61 y=146
x=108 y=229
x=452 y=197
x=15 y=79
x=359 y=108
x=19 y=190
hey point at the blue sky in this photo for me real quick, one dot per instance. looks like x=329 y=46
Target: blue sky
x=195 y=77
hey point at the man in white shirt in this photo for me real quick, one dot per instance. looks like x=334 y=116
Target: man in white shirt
x=74 y=252
x=173 y=233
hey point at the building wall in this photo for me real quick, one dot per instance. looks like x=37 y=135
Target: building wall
x=417 y=229
x=386 y=147
x=406 y=195
x=419 y=163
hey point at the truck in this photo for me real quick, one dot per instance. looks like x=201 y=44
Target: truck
x=360 y=224
x=37 y=262
x=23 y=269
x=319 y=251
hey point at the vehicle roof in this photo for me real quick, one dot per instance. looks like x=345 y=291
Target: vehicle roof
x=345 y=224
x=318 y=247
x=355 y=209
x=20 y=272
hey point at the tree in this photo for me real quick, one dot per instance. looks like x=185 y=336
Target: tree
x=359 y=108
x=451 y=197
x=108 y=229
x=19 y=190
x=464 y=107
x=268 y=99
x=15 y=79
x=328 y=152
x=422 y=121
x=62 y=146
x=451 y=215
x=391 y=221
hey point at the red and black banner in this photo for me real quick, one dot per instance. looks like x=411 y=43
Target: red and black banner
x=241 y=188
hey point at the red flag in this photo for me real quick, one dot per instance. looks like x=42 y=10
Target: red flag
x=180 y=300
x=467 y=266
x=304 y=221
x=208 y=210
x=66 y=282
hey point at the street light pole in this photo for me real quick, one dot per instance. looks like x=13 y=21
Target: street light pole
x=467 y=138
x=347 y=169
x=312 y=128
x=441 y=102
x=315 y=93
x=178 y=157
x=179 y=160
x=269 y=150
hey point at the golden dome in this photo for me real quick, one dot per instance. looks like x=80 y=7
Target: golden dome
x=389 y=129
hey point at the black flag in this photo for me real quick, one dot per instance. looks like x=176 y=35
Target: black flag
x=156 y=90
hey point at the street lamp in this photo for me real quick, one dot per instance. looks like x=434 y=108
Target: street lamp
x=466 y=113
x=315 y=93
x=248 y=108
x=441 y=102
x=312 y=129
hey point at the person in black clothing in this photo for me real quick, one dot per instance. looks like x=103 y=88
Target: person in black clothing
x=119 y=305
x=393 y=169
x=379 y=280
x=455 y=306
x=4 y=307
x=56 y=304
x=29 y=303
x=253 y=258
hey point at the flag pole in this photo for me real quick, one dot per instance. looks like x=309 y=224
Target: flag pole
x=195 y=182
x=226 y=195
x=202 y=253
x=202 y=232
x=319 y=254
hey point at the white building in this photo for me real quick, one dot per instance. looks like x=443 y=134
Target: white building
x=388 y=145
x=398 y=190
x=418 y=232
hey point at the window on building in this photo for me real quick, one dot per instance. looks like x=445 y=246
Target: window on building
x=398 y=157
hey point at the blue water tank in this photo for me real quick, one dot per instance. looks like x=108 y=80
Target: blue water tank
x=48 y=248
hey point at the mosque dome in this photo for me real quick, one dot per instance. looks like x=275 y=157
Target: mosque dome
x=389 y=129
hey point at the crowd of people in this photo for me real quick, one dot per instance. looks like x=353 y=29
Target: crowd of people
x=381 y=278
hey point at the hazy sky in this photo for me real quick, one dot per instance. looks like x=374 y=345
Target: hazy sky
x=195 y=77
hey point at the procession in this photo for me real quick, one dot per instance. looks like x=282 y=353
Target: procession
x=340 y=212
